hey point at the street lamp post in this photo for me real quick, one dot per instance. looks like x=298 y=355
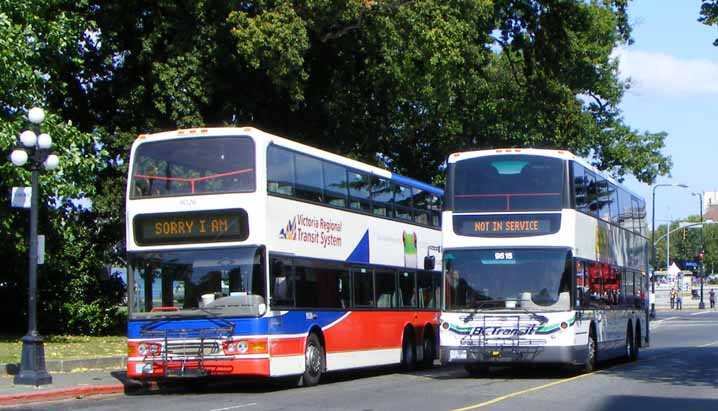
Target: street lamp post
x=653 y=244
x=701 y=305
x=35 y=153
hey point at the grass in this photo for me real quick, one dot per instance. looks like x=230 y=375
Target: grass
x=64 y=347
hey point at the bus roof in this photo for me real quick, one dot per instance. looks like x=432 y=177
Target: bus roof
x=259 y=135
x=561 y=154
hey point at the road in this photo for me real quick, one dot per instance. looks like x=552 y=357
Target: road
x=679 y=372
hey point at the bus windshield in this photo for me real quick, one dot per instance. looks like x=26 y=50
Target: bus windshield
x=529 y=279
x=222 y=282
x=193 y=166
x=508 y=183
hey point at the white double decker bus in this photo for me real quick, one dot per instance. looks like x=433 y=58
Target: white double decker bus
x=545 y=262
x=251 y=254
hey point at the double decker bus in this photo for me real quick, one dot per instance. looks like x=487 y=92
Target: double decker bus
x=545 y=262
x=251 y=254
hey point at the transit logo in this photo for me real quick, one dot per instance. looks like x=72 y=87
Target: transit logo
x=313 y=230
x=289 y=232
x=501 y=331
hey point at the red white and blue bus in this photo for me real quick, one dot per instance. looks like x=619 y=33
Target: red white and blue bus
x=545 y=262
x=254 y=255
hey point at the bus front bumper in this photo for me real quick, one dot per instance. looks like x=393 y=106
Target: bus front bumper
x=197 y=368
x=505 y=355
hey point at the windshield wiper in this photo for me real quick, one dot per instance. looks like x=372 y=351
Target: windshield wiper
x=482 y=305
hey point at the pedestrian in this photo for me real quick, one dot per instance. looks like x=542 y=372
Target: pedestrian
x=679 y=300
x=673 y=298
x=712 y=298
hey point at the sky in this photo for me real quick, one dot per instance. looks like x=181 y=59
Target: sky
x=673 y=67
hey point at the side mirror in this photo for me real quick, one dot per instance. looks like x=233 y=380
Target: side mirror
x=429 y=262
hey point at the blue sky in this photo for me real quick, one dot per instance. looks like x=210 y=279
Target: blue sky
x=673 y=67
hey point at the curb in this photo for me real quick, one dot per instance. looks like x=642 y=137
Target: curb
x=70 y=365
x=61 y=393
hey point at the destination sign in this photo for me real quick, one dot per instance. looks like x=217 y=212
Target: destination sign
x=515 y=225
x=191 y=227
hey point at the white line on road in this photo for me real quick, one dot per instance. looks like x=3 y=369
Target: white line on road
x=701 y=312
x=665 y=319
x=234 y=407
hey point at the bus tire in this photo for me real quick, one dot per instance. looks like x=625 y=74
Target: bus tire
x=630 y=343
x=591 y=350
x=428 y=350
x=477 y=370
x=636 y=342
x=313 y=362
x=408 y=351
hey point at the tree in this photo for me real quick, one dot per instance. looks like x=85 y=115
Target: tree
x=41 y=63
x=392 y=82
x=397 y=83
x=709 y=14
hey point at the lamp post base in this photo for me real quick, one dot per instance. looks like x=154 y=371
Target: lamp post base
x=32 y=365
x=701 y=305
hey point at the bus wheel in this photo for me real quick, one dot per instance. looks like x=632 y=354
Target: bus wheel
x=428 y=350
x=630 y=343
x=636 y=342
x=313 y=362
x=590 y=364
x=477 y=370
x=408 y=351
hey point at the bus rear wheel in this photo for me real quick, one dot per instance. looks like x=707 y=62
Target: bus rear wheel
x=590 y=364
x=313 y=362
x=408 y=351
x=428 y=350
x=636 y=342
x=630 y=343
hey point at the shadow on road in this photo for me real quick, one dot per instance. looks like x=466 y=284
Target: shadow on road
x=678 y=366
x=634 y=402
x=245 y=385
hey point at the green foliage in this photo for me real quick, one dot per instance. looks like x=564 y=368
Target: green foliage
x=42 y=53
x=686 y=243
x=709 y=14
x=397 y=83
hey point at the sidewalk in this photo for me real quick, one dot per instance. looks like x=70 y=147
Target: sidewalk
x=70 y=379
x=663 y=301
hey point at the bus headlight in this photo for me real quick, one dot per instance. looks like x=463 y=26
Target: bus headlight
x=142 y=349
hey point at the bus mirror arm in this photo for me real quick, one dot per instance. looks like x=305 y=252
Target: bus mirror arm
x=429 y=262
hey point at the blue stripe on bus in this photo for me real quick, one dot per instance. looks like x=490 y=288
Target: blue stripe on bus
x=292 y=322
x=418 y=184
x=361 y=251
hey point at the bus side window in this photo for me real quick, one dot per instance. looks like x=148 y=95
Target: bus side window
x=382 y=197
x=335 y=184
x=308 y=178
x=427 y=295
x=280 y=171
x=363 y=287
x=281 y=282
x=358 y=191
